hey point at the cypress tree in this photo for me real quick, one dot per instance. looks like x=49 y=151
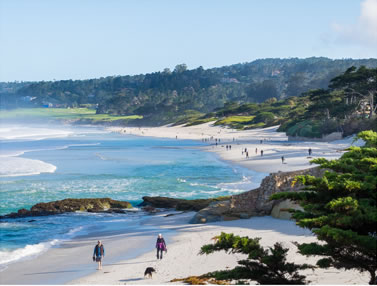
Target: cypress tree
x=340 y=209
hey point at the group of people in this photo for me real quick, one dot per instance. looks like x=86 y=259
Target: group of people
x=99 y=250
x=246 y=152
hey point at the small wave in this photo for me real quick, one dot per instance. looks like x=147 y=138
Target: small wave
x=202 y=185
x=32 y=250
x=181 y=180
x=31 y=133
x=29 y=251
x=15 y=166
x=245 y=184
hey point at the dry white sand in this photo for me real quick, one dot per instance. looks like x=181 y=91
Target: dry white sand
x=182 y=259
x=274 y=145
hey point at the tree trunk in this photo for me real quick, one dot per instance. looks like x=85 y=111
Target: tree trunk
x=373 y=280
x=371 y=104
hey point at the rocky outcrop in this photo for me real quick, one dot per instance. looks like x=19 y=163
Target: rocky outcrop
x=281 y=209
x=72 y=205
x=255 y=202
x=179 y=204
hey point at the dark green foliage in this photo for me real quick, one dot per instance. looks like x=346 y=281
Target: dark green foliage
x=265 y=117
x=266 y=266
x=163 y=97
x=340 y=209
x=317 y=112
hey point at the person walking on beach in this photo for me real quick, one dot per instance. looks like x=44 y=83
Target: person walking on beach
x=247 y=154
x=282 y=159
x=99 y=254
x=256 y=150
x=261 y=153
x=161 y=246
x=310 y=151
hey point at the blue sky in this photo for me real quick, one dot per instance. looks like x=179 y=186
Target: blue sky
x=78 y=39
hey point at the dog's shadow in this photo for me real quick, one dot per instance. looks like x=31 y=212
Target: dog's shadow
x=130 y=280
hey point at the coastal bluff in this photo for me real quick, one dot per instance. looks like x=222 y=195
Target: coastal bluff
x=256 y=202
x=72 y=205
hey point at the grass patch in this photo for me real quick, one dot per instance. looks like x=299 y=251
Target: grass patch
x=236 y=121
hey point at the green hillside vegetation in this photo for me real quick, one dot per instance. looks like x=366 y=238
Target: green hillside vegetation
x=164 y=97
x=348 y=105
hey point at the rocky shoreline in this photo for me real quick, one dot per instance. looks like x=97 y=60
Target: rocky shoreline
x=242 y=206
x=72 y=205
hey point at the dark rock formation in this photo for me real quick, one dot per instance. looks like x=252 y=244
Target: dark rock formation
x=72 y=205
x=180 y=204
x=255 y=202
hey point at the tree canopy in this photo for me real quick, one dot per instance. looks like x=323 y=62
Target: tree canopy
x=162 y=97
x=340 y=209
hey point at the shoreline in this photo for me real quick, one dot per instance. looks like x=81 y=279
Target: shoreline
x=274 y=145
x=82 y=272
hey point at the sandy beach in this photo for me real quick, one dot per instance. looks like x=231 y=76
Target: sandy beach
x=274 y=145
x=182 y=259
x=129 y=252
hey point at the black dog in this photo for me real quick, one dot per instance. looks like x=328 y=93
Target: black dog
x=149 y=271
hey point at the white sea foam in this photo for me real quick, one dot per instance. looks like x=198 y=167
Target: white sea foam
x=16 y=166
x=18 y=132
x=32 y=250
x=12 y=166
x=245 y=184
x=29 y=251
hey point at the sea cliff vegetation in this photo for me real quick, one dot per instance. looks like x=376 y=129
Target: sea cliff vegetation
x=307 y=97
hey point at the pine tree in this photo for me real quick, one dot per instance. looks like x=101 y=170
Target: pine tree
x=266 y=266
x=340 y=209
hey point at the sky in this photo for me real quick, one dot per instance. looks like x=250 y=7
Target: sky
x=80 y=39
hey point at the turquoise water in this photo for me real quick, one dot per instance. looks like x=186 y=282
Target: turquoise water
x=42 y=164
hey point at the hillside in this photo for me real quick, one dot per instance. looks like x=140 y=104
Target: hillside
x=348 y=106
x=166 y=96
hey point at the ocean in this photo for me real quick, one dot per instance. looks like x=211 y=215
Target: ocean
x=42 y=163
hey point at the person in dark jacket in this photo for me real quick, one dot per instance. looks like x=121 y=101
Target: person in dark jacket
x=161 y=246
x=99 y=253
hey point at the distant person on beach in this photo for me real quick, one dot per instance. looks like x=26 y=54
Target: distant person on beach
x=247 y=154
x=161 y=246
x=99 y=254
x=282 y=159
x=310 y=151
x=256 y=150
x=261 y=153
x=230 y=147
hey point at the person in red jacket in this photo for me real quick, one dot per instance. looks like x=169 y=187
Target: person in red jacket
x=161 y=246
